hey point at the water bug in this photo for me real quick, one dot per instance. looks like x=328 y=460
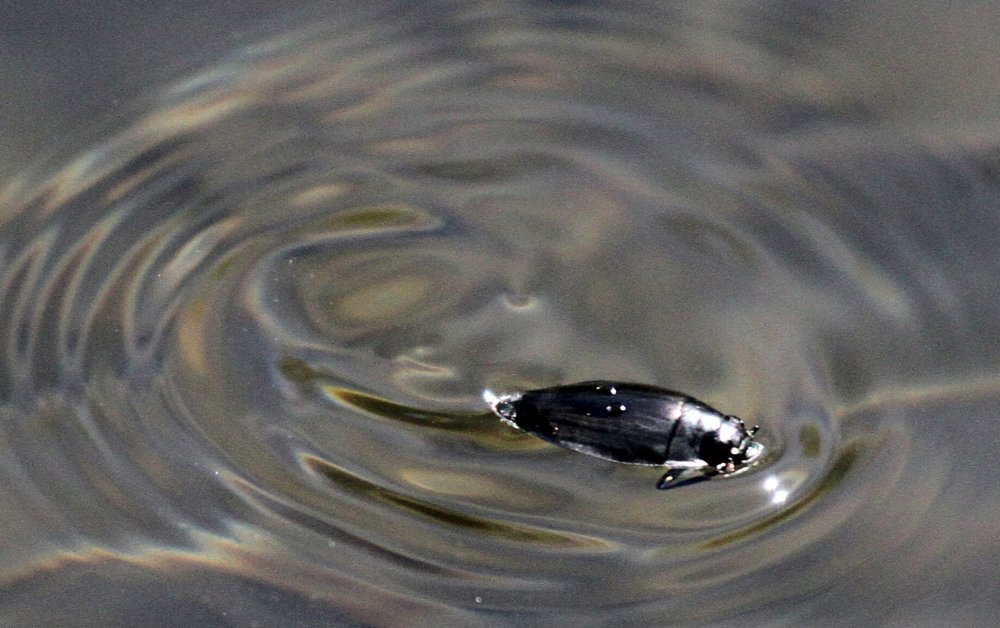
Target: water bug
x=635 y=424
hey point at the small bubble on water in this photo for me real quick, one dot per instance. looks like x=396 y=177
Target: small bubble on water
x=479 y=600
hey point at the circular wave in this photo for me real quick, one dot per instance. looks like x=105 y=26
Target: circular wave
x=255 y=327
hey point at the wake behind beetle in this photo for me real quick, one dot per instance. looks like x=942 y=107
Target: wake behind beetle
x=635 y=424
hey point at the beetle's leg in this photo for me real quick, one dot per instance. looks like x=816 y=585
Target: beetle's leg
x=681 y=477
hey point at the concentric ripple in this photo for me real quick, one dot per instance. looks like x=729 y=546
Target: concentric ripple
x=248 y=334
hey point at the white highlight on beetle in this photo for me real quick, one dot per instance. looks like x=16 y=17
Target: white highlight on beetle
x=727 y=431
x=772 y=485
x=494 y=400
x=491 y=398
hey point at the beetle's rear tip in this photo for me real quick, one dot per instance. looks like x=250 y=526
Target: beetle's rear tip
x=491 y=398
x=502 y=405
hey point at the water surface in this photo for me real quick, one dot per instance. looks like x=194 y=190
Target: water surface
x=245 y=335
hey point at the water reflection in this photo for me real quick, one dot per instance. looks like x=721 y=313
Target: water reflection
x=246 y=336
x=773 y=486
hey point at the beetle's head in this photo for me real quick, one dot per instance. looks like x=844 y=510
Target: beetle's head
x=735 y=446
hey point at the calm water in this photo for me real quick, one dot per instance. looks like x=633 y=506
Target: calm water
x=245 y=332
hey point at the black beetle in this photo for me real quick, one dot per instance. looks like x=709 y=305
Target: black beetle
x=635 y=424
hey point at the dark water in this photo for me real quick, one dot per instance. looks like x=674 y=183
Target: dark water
x=245 y=335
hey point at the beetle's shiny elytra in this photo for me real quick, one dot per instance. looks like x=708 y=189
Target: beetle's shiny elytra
x=634 y=424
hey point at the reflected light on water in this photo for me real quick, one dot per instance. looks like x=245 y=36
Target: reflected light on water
x=242 y=336
x=773 y=486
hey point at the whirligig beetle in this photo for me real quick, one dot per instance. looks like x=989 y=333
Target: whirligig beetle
x=635 y=424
